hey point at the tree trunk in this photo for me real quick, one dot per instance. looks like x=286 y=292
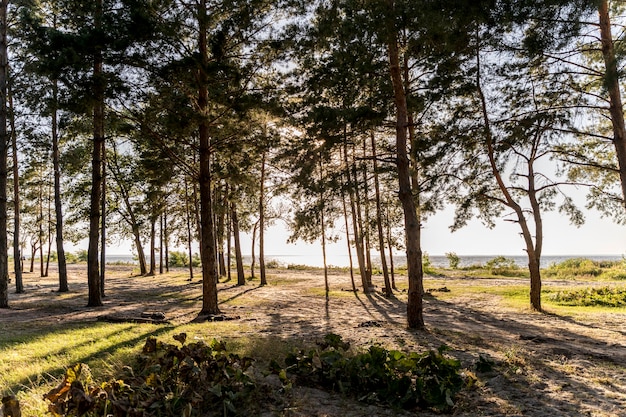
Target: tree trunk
x=379 y=220
x=531 y=248
x=262 y=222
x=323 y=227
x=361 y=225
x=4 y=144
x=355 y=225
x=93 y=270
x=611 y=82
x=221 y=226
x=366 y=214
x=252 y=251
x=152 y=270
x=17 y=255
x=103 y=227
x=345 y=217
x=208 y=252
x=161 y=243
x=166 y=240
x=241 y=279
x=415 y=318
x=131 y=219
x=58 y=204
x=189 y=234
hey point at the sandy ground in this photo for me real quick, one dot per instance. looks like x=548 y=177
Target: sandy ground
x=547 y=365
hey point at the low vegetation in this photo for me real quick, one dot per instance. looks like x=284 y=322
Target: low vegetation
x=377 y=375
x=603 y=296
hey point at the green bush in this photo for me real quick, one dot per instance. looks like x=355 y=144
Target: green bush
x=501 y=265
x=378 y=375
x=453 y=260
x=427 y=265
x=572 y=268
x=180 y=259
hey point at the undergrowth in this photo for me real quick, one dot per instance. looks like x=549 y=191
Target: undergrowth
x=604 y=296
x=199 y=379
x=393 y=378
x=587 y=268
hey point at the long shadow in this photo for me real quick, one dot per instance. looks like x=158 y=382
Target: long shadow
x=242 y=293
x=544 y=348
x=383 y=304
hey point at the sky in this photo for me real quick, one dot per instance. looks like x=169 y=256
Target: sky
x=597 y=236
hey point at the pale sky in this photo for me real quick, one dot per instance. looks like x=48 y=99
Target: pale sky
x=596 y=237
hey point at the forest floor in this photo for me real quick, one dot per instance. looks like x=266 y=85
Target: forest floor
x=546 y=364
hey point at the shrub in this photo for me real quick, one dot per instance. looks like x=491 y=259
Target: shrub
x=501 y=265
x=453 y=260
x=180 y=259
x=378 y=375
x=193 y=380
x=427 y=265
x=575 y=267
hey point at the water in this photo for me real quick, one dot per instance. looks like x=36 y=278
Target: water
x=437 y=261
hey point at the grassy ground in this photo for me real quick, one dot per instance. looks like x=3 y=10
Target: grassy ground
x=45 y=332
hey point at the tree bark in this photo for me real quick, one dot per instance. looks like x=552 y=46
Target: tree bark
x=345 y=218
x=4 y=143
x=415 y=318
x=379 y=220
x=241 y=279
x=262 y=223
x=353 y=211
x=189 y=234
x=152 y=270
x=161 y=228
x=93 y=270
x=208 y=253
x=611 y=82
x=17 y=254
x=103 y=227
x=58 y=205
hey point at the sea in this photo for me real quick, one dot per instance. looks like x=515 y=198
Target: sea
x=436 y=260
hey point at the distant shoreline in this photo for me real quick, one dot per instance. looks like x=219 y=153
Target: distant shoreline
x=436 y=260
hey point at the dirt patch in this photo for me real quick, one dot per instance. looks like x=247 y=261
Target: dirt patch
x=545 y=365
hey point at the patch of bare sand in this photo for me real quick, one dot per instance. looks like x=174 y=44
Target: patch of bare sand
x=546 y=365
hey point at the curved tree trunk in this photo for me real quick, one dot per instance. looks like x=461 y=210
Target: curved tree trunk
x=533 y=249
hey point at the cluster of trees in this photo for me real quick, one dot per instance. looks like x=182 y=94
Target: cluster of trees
x=182 y=119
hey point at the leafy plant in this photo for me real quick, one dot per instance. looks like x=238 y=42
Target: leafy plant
x=192 y=380
x=378 y=375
